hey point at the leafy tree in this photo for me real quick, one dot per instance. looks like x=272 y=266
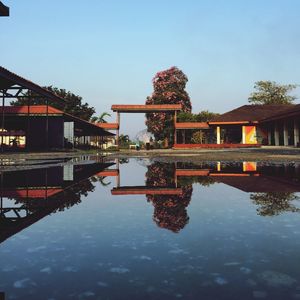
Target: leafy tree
x=169 y=88
x=202 y=116
x=72 y=105
x=101 y=118
x=270 y=92
x=124 y=140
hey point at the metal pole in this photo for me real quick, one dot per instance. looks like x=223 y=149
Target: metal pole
x=47 y=124
x=118 y=130
x=3 y=118
x=28 y=124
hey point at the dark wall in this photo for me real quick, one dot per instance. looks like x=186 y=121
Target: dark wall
x=37 y=135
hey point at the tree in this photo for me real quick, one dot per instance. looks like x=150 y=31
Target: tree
x=100 y=119
x=72 y=105
x=270 y=92
x=202 y=116
x=169 y=88
x=124 y=140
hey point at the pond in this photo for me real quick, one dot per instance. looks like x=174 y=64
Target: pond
x=148 y=229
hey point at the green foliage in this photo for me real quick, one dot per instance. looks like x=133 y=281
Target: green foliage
x=124 y=141
x=270 y=92
x=72 y=105
x=169 y=88
x=202 y=116
x=101 y=118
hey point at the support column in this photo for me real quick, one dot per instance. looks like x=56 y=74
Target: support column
x=118 y=130
x=243 y=135
x=276 y=135
x=269 y=136
x=175 y=131
x=2 y=125
x=183 y=133
x=296 y=132
x=285 y=134
x=47 y=124
x=218 y=135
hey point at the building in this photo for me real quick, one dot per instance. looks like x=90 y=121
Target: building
x=245 y=126
x=39 y=127
x=42 y=127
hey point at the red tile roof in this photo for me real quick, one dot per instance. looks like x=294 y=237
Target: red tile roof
x=250 y=113
x=192 y=125
x=108 y=126
x=146 y=108
x=33 y=110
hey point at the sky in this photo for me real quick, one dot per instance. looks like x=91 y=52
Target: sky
x=108 y=51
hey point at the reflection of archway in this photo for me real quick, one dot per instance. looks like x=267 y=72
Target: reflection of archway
x=164 y=108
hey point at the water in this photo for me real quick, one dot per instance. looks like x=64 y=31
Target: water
x=143 y=229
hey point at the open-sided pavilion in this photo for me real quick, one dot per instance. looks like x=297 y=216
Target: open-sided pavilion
x=43 y=127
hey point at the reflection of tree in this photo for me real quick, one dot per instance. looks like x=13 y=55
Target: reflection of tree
x=169 y=210
x=274 y=203
x=202 y=180
x=100 y=179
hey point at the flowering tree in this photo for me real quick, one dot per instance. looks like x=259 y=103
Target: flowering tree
x=169 y=88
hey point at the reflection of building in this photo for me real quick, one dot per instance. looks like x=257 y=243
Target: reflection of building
x=169 y=187
x=30 y=195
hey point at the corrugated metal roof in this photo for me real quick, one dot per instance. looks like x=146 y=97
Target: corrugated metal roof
x=9 y=79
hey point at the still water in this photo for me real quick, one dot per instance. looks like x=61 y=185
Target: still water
x=142 y=229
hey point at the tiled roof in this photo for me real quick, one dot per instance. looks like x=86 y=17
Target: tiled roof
x=146 y=108
x=33 y=109
x=108 y=126
x=293 y=110
x=251 y=113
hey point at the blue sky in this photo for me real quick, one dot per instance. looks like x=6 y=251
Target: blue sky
x=107 y=51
